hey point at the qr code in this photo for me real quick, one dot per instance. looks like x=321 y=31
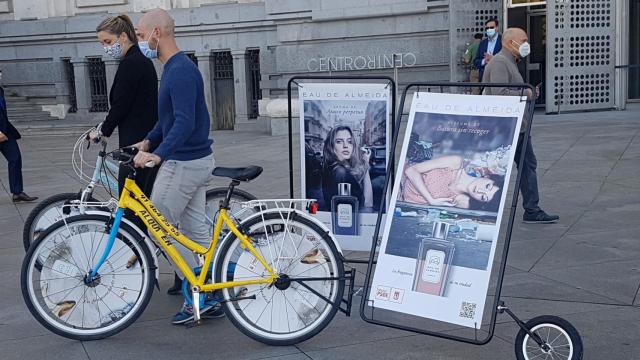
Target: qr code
x=468 y=310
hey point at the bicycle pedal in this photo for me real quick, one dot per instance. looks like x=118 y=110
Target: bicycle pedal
x=192 y=324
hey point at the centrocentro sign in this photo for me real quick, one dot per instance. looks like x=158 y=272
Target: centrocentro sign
x=361 y=62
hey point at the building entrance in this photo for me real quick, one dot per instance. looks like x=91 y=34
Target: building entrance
x=533 y=19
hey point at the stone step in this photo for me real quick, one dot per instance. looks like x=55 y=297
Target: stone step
x=30 y=118
x=24 y=110
x=15 y=104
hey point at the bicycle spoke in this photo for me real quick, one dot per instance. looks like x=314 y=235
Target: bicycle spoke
x=75 y=286
x=298 y=274
x=296 y=311
x=301 y=257
x=287 y=313
x=68 y=261
x=93 y=257
x=265 y=308
x=84 y=250
x=76 y=305
x=249 y=270
x=118 y=296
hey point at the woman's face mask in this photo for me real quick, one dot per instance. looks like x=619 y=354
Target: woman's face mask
x=114 y=50
x=146 y=50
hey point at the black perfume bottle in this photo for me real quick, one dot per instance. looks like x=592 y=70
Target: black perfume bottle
x=434 y=261
x=344 y=211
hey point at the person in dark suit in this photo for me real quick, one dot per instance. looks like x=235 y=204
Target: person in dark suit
x=489 y=46
x=9 y=148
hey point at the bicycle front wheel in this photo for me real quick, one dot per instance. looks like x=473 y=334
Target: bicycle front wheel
x=307 y=294
x=58 y=293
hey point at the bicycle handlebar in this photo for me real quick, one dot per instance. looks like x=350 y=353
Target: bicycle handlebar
x=126 y=155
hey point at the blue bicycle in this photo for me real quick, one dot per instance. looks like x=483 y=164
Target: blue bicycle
x=104 y=174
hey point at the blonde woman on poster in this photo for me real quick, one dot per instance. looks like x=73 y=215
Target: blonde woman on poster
x=346 y=163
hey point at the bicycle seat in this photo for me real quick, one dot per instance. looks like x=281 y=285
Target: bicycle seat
x=241 y=174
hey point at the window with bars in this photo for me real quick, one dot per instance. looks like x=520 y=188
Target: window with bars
x=71 y=83
x=253 y=67
x=98 y=82
x=222 y=65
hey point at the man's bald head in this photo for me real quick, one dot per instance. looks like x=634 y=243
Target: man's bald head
x=513 y=33
x=157 y=19
x=156 y=28
x=512 y=38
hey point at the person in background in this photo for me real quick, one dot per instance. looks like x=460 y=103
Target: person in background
x=9 y=137
x=503 y=69
x=488 y=47
x=469 y=57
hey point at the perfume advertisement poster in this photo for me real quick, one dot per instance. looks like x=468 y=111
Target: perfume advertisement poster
x=439 y=242
x=343 y=142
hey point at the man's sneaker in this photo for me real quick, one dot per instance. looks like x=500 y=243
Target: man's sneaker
x=186 y=314
x=216 y=311
x=539 y=217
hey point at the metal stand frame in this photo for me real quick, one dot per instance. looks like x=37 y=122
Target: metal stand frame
x=350 y=274
x=498 y=306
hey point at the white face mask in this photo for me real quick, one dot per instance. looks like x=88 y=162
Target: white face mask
x=524 y=49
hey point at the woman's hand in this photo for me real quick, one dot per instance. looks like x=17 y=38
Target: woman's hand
x=444 y=202
x=366 y=155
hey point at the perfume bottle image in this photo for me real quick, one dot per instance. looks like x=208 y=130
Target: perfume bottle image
x=344 y=211
x=434 y=261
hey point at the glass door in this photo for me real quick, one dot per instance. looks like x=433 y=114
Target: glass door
x=537 y=30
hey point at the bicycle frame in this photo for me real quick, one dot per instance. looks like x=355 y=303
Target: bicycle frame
x=101 y=177
x=134 y=199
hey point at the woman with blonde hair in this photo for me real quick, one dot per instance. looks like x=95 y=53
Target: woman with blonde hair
x=343 y=162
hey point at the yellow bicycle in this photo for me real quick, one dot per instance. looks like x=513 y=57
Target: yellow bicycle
x=278 y=274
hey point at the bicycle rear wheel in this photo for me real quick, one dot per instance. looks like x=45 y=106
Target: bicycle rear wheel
x=46 y=213
x=57 y=292
x=308 y=292
x=216 y=195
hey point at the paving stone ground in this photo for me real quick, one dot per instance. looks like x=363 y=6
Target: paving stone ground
x=586 y=268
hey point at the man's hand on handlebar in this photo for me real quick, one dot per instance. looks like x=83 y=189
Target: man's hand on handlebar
x=143 y=145
x=146 y=159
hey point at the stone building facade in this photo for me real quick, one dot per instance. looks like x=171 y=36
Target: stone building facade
x=246 y=49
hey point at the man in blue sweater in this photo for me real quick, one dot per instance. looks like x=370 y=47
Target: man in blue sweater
x=180 y=139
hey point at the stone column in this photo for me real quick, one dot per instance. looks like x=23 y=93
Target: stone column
x=240 y=87
x=204 y=65
x=110 y=68
x=83 y=87
x=621 y=89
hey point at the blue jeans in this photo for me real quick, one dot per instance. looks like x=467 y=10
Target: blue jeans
x=529 y=178
x=11 y=151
